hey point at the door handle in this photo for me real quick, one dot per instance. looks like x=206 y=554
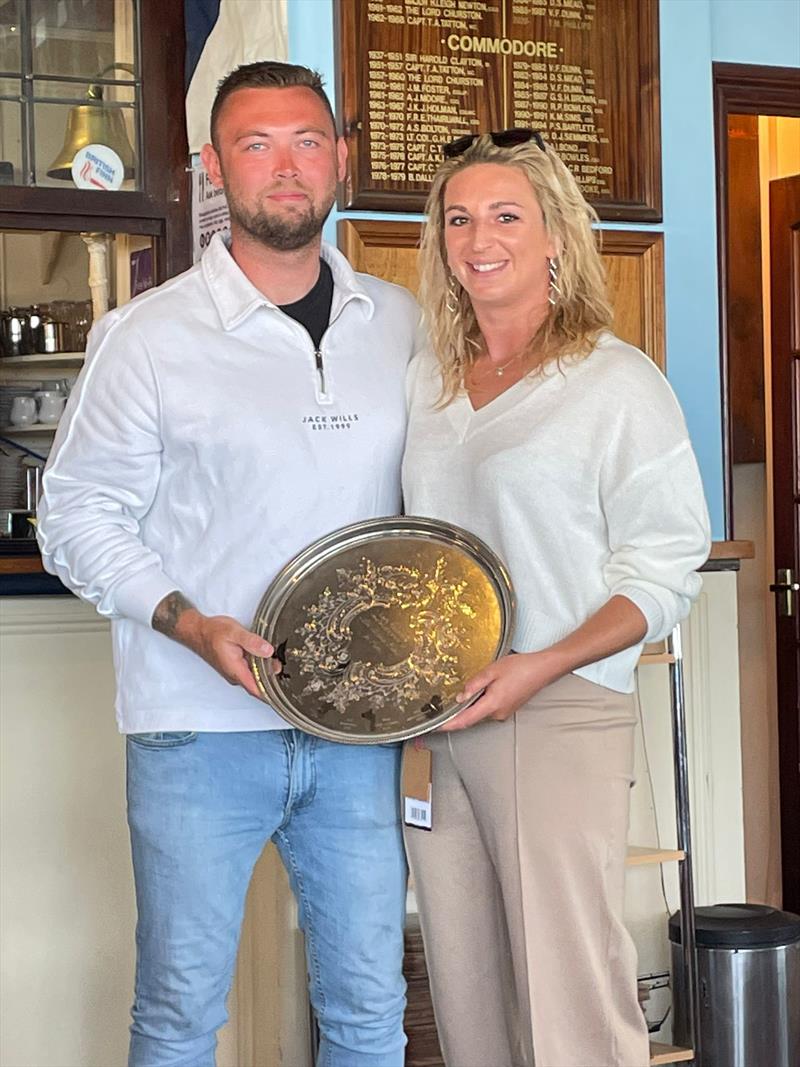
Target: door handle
x=785 y=586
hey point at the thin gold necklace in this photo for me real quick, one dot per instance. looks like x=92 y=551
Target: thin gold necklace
x=496 y=372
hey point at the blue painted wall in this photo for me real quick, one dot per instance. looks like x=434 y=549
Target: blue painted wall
x=755 y=31
x=694 y=33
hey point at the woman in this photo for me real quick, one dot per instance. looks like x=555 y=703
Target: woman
x=562 y=447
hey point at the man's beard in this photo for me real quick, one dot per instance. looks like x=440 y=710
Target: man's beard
x=283 y=233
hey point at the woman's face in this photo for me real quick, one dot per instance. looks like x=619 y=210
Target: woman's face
x=495 y=237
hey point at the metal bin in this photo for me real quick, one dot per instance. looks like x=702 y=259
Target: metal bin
x=748 y=972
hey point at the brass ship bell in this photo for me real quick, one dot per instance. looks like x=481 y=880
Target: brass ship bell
x=94 y=123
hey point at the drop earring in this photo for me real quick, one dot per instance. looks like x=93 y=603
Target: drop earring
x=554 y=293
x=451 y=300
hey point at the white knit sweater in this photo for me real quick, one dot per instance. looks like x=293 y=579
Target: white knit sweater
x=201 y=449
x=582 y=479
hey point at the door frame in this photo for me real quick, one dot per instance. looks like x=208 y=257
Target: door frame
x=744 y=90
x=740 y=89
x=785 y=200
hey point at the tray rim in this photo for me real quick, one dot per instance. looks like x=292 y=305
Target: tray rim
x=346 y=537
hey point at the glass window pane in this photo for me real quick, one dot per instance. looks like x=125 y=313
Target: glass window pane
x=10 y=133
x=81 y=38
x=61 y=129
x=10 y=53
x=45 y=89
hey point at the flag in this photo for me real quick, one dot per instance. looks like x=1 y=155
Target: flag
x=220 y=36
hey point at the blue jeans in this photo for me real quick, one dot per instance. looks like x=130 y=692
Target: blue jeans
x=201 y=807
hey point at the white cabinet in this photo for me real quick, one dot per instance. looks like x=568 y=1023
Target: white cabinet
x=67 y=908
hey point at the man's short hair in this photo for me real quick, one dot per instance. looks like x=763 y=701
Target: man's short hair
x=267 y=74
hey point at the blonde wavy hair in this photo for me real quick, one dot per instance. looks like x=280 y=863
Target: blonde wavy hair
x=582 y=311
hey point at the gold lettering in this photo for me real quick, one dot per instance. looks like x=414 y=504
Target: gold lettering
x=505 y=46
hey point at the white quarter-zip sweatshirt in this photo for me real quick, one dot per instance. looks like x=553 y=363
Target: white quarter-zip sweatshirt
x=582 y=479
x=206 y=443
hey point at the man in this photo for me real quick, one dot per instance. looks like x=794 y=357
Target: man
x=200 y=451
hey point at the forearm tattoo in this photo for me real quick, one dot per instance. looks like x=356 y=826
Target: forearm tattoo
x=168 y=611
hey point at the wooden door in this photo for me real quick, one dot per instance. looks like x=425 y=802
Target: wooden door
x=784 y=206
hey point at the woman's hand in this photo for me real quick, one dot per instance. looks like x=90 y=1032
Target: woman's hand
x=508 y=684
x=516 y=678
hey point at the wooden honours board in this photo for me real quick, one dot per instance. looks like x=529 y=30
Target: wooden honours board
x=633 y=259
x=414 y=74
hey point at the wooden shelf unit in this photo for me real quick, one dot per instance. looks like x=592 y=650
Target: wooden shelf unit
x=670 y=652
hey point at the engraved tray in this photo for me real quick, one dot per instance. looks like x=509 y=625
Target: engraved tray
x=377 y=627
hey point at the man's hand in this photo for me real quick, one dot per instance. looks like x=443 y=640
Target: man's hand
x=218 y=639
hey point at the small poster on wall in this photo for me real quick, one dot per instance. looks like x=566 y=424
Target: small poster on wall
x=142 y=276
x=209 y=211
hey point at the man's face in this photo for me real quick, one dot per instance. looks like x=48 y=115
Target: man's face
x=278 y=160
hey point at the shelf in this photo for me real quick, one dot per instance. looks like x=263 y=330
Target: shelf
x=36 y=427
x=661 y=1053
x=53 y=359
x=655 y=652
x=648 y=658
x=638 y=855
x=21 y=565
x=732 y=550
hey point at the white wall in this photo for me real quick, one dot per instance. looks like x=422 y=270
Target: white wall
x=39 y=267
x=67 y=895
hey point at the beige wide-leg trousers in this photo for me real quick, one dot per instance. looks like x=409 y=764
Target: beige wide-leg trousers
x=520 y=885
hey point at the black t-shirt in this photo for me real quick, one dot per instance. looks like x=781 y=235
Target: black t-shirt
x=314 y=309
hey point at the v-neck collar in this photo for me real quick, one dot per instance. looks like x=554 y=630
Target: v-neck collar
x=467 y=420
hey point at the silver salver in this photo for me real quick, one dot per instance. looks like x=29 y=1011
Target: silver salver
x=377 y=627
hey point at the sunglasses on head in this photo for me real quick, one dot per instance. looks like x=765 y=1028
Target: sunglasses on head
x=500 y=138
